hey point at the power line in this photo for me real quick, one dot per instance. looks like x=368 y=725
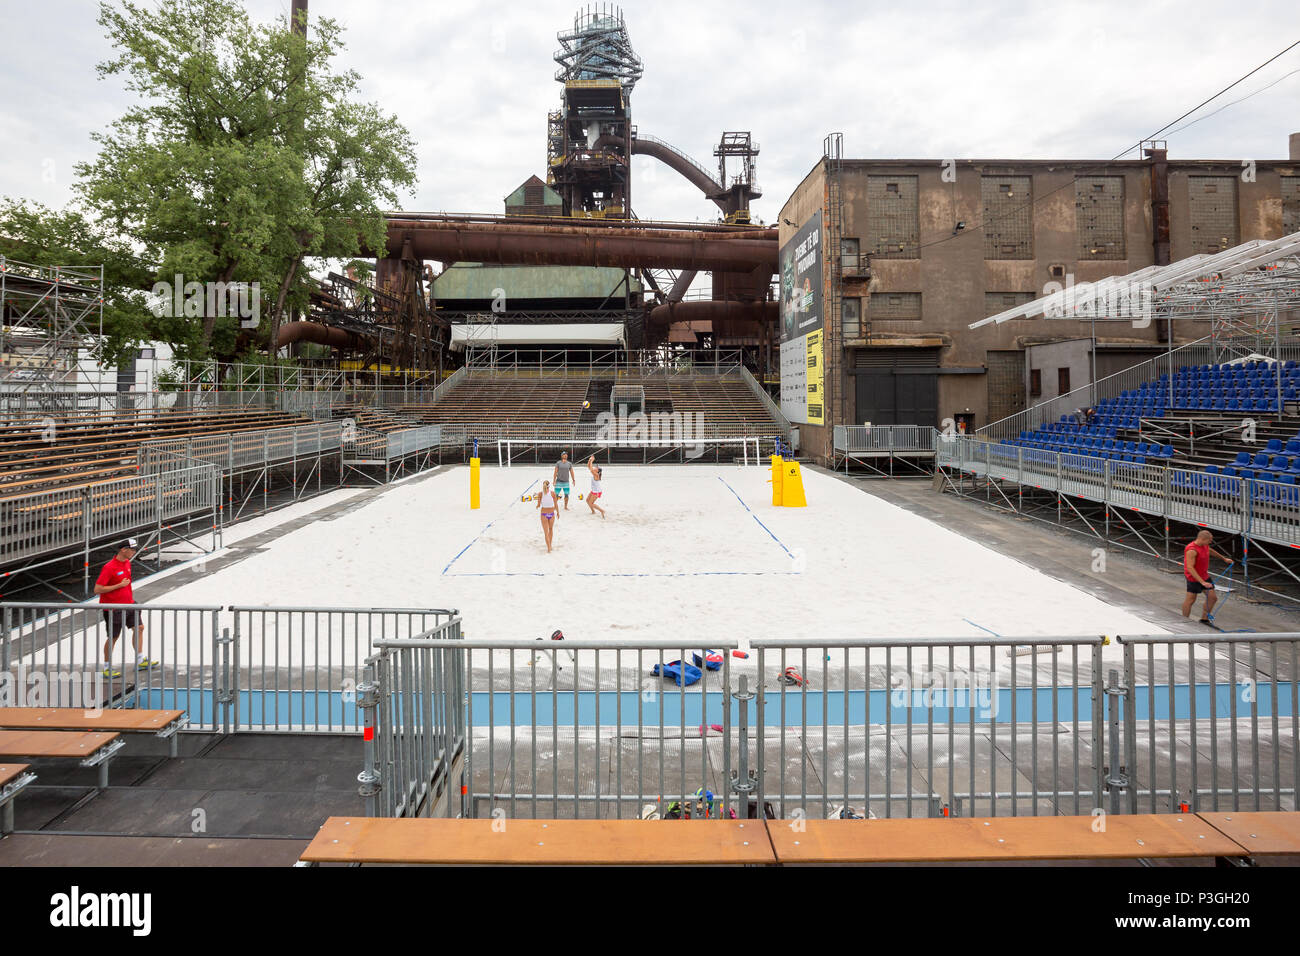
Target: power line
x=1235 y=102
x=1034 y=202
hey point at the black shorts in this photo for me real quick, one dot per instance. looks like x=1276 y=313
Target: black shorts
x=116 y=620
x=1196 y=587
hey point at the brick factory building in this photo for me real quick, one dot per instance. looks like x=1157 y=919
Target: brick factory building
x=915 y=250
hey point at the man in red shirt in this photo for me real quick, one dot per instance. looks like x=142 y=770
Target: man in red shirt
x=1196 y=569
x=114 y=587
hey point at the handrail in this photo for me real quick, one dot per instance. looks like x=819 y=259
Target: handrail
x=772 y=407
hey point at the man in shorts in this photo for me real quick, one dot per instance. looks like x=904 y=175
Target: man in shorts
x=114 y=587
x=561 y=478
x=1196 y=569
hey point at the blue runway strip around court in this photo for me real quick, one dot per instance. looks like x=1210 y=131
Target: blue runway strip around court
x=813 y=708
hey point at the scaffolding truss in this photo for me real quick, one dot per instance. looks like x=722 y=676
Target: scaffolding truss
x=49 y=316
x=1243 y=291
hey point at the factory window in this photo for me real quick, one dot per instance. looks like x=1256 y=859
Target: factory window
x=1008 y=217
x=1212 y=211
x=1035 y=383
x=851 y=318
x=1062 y=381
x=1290 y=204
x=849 y=256
x=995 y=302
x=894 y=306
x=893 y=217
x=1099 y=217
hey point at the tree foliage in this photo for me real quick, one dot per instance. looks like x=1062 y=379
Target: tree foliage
x=246 y=155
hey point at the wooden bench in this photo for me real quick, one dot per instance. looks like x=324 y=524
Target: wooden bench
x=1011 y=839
x=13 y=779
x=92 y=748
x=166 y=724
x=543 y=842
x=1261 y=832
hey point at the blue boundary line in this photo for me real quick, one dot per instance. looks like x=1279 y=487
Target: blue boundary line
x=483 y=532
x=981 y=627
x=755 y=517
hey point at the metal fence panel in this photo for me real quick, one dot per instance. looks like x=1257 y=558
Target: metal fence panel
x=55 y=654
x=950 y=727
x=884 y=438
x=299 y=668
x=1210 y=724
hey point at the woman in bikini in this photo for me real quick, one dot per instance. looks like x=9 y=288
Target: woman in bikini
x=547 y=505
x=594 y=495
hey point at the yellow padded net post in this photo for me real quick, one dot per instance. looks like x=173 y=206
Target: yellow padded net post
x=792 y=487
x=473 y=484
x=778 y=470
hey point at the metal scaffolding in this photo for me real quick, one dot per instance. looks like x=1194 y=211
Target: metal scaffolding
x=1249 y=293
x=49 y=317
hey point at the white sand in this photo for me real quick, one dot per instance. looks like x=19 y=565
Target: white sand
x=679 y=555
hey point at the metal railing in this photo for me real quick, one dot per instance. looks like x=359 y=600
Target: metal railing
x=595 y=432
x=54 y=654
x=407 y=441
x=65 y=519
x=984 y=726
x=536 y=718
x=285 y=669
x=598 y=363
x=1265 y=510
x=681 y=155
x=415 y=728
x=949 y=717
x=892 y=727
x=883 y=439
x=246 y=449
x=769 y=403
x=1208 y=723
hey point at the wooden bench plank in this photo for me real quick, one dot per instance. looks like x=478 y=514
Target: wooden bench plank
x=54 y=743
x=1261 y=832
x=1147 y=836
x=10 y=772
x=124 y=719
x=543 y=842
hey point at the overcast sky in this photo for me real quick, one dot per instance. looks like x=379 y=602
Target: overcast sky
x=473 y=82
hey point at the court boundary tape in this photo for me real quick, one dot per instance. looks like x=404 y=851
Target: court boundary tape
x=756 y=518
x=482 y=532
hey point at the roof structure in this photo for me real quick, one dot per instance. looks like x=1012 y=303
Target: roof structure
x=1260 y=278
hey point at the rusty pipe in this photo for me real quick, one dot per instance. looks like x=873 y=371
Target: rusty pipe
x=336 y=338
x=569 y=245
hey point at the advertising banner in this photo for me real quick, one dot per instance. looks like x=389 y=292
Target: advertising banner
x=802 y=381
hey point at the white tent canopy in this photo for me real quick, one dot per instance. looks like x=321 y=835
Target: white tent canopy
x=587 y=333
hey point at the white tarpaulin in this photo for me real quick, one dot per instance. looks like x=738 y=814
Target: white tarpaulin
x=589 y=333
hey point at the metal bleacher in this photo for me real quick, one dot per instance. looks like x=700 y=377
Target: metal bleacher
x=552 y=407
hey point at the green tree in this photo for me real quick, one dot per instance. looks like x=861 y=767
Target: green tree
x=245 y=155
